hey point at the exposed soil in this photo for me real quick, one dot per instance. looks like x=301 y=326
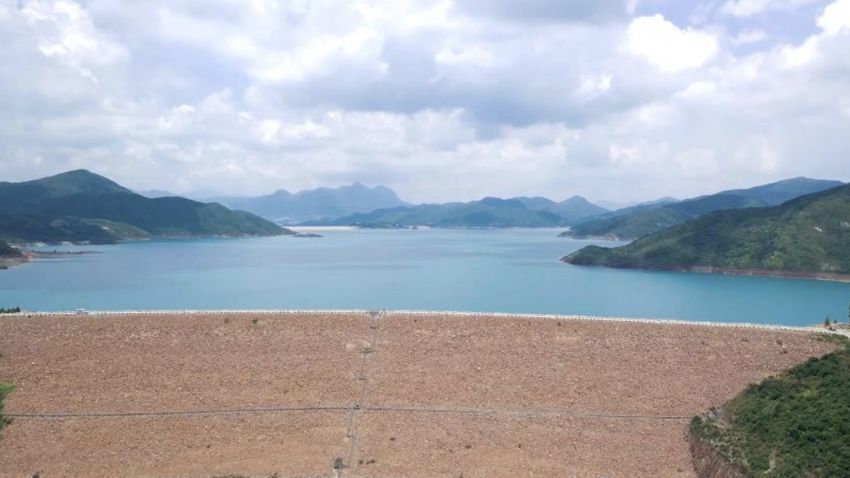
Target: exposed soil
x=435 y=395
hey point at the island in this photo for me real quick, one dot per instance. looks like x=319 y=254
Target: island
x=489 y=212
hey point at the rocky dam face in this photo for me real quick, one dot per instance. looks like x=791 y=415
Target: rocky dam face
x=709 y=463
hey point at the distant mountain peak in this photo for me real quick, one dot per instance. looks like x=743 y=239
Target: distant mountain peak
x=76 y=174
x=647 y=218
x=317 y=204
x=78 y=181
x=83 y=206
x=575 y=199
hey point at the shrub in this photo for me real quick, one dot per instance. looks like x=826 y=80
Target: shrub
x=793 y=425
x=5 y=389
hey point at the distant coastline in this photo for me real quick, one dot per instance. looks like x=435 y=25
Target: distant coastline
x=12 y=261
x=28 y=255
x=822 y=276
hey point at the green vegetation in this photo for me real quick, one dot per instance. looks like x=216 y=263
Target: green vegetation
x=808 y=235
x=649 y=220
x=793 y=425
x=80 y=206
x=572 y=210
x=488 y=212
x=640 y=221
x=11 y=310
x=5 y=390
x=840 y=340
x=8 y=251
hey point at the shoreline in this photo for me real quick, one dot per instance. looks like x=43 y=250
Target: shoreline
x=819 y=276
x=11 y=261
x=449 y=313
x=28 y=255
x=823 y=276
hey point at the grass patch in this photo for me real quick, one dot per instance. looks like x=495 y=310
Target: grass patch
x=793 y=425
x=5 y=389
x=841 y=340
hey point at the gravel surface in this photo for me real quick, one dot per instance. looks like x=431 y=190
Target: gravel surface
x=581 y=365
x=434 y=395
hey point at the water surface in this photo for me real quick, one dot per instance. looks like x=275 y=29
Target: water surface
x=465 y=270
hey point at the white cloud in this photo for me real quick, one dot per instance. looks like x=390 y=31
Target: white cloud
x=668 y=47
x=472 y=55
x=63 y=30
x=748 y=8
x=697 y=162
x=441 y=100
x=834 y=22
x=698 y=89
x=759 y=154
x=835 y=17
x=799 y=55
x=593 y=85
x=748 y=37
x=844 y=106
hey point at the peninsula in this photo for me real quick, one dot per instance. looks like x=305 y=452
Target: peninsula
x=806 y=237
x=83 y=207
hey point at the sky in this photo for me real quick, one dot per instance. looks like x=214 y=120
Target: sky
x=442 y=100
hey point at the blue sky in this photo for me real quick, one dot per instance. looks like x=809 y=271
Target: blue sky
x=623 y=100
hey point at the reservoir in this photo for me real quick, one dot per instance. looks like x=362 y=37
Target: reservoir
x=500 y=270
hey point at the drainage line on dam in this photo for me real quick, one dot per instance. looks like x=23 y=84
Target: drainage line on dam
x=341 y=463
x=177 y=413
x=523 y=412
x=347 y=408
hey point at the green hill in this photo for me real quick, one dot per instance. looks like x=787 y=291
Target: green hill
x=643 y=220
x=487 y=212
x=806 y=236
x=571 y=210
x=793 y=425
x=80 y=206
x=8 y=251
x=9 y=256
x=316 y=204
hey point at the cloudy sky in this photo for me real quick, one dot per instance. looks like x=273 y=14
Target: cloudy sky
x=439 y=99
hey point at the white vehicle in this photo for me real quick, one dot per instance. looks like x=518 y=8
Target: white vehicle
x=81 y=312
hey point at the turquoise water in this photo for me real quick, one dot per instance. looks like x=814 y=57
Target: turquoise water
x=467 y=270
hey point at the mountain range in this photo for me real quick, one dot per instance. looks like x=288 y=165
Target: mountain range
x=315 y=204
x=80 y=206
x=806 y=236
x=488 y=212
x=638 y=221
